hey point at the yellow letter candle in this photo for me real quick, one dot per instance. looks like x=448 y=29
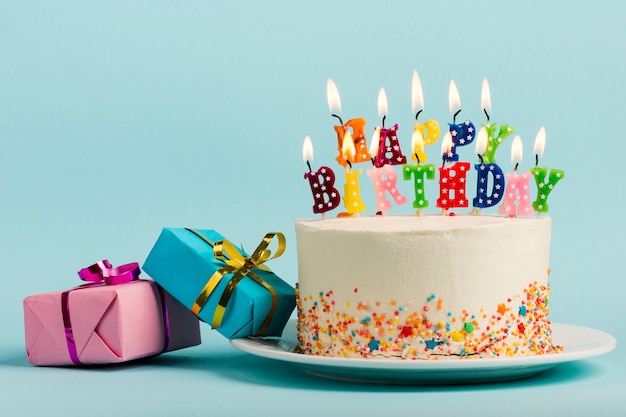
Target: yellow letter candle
x=352 y=193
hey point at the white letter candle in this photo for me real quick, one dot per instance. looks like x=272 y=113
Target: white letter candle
x=325 y=195
x=462 y=134
x=384 y=180
x=357 y=125
x=429 y=131
x=389 y=152
x=483 y=199
x=494 y=140
x=352 y=192
x=543 y=187
x=517 y=189
x=451 y=179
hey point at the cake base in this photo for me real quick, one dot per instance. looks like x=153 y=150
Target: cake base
x=431 y=287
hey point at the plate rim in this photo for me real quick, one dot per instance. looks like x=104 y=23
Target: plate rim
x=274 y=349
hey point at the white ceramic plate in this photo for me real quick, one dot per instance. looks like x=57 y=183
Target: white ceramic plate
x=580 y=343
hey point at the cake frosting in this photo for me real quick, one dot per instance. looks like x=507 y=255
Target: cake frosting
x=424 y=287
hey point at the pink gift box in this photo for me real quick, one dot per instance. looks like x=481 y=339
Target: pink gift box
x=109 y=323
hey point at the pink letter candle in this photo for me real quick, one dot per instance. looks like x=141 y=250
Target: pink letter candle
x=543 y=187
x=389 y=152
x=384 y=180
x=483 y=199
x=325 y=195
x=452 y=182
x=462 y=134
x=517 y=189
x=429 y=130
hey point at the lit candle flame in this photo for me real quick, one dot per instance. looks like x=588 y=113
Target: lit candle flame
x=516 y=150
x=540 y=142
x=417 y=96
x=347 y=147
x=481 y=141
x=485 y=98
x=332 y=95
x=307 y=149
x=382 y=103
x=453 y=98
x=417 y=141
x=375 y=142
x=446 y=144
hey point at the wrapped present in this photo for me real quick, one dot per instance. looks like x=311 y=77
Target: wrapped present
x=236 y=293
x=115 y=317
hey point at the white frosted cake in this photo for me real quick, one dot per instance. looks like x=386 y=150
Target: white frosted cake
x=431 y=287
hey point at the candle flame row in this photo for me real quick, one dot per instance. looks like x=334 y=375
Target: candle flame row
x=417 y=140
x=417 y=97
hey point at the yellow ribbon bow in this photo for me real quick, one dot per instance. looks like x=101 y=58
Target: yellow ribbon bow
x=240 y=266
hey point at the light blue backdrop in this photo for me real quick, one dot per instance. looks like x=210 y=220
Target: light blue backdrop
x=118 y=118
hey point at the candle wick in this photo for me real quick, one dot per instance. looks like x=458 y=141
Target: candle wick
x=340 y=121
x=443 y=163
x=486 y=114
x=536 y=160
x=384 y=117
x=515 y=169
x=417 y=157
x=309 y=165
x=455 y=114
x=418 y=113
x=373 y=163
x=481 y=159
x=349 y=163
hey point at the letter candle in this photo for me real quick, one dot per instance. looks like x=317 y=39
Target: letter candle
x=357 y=125
x=485 y=170
x=383 y=179
x=451 y=179
x=462 y=134
x=419 y=172
x=517 y=189
x=352 y=192
x=543 y=188
x=325 y=195
x=428 y=131
x=494 y=140
x=389 y=152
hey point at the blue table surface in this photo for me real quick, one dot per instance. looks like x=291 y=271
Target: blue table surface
x=120 y=118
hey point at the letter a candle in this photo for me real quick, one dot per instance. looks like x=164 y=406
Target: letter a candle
x=357 y=125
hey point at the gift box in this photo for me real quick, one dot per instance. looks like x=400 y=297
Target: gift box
x=234 y=292
x=106 y=322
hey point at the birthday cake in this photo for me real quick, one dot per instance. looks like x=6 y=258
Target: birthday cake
x=424 y=287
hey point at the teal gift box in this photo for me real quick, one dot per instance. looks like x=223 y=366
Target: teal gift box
x=234 y=292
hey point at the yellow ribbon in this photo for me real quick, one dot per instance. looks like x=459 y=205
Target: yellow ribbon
x=240 y=266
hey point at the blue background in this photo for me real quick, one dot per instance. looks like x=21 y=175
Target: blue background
x=118 y=118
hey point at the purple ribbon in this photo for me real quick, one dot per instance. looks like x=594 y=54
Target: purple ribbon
x=99 y=274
